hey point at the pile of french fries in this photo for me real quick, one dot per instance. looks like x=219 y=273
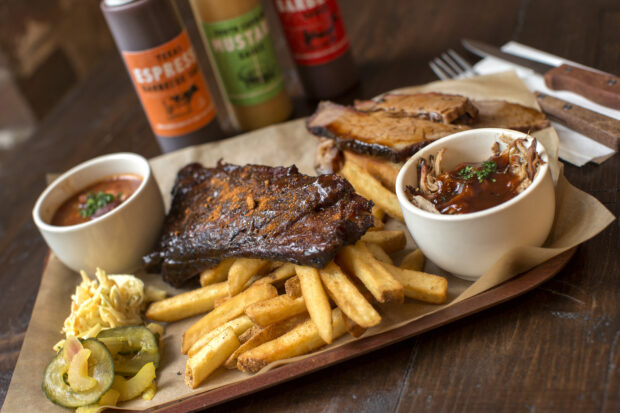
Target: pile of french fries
x=259 y=311
x=373 y=179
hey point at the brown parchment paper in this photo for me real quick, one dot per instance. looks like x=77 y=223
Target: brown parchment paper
x=579 y=217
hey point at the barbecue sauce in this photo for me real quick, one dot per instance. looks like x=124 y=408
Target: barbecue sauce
x=239 y=46
x=96 y=200
x=319 y=45
x=162 y=65
x=472 y=187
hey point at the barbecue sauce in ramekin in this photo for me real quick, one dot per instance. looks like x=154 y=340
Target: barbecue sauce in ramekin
x=96 y=200
x=474 y=186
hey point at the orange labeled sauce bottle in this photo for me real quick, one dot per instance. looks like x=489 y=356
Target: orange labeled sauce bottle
x=165 y=73
x=319 y=45
x=239 y=46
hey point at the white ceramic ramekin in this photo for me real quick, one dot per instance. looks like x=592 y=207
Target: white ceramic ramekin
x=115 y=241
x=468 y=244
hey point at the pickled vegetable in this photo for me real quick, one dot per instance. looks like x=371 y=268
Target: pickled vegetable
x=131 y=348
x=100 y=368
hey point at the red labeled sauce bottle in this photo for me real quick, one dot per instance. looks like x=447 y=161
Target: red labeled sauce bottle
x=319 y=45
x=165 y=73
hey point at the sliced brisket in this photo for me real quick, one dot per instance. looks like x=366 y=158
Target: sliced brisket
x=379 y=133
x=436 y=107
x=502 y=114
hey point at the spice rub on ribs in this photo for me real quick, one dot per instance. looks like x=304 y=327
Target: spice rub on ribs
x=378 y=133
x=256 y=212
x=437 y=107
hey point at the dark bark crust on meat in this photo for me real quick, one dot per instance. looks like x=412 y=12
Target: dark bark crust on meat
x=380 y=151
x=256 y=212
x=365 y=148
x=467 y=114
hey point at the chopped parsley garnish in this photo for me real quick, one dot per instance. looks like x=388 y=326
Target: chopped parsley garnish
x=96 y=201
x=482 y=173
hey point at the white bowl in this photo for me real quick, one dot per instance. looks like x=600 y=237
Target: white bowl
x=115 y=241
x=468 y=244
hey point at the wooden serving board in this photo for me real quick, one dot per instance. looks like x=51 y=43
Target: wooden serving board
x=504 y=292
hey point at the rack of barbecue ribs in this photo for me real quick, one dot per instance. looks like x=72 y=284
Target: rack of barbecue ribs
x=255 y=211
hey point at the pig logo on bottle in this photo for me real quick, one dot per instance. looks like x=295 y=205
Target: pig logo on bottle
x=314 y=29
x=324 y=37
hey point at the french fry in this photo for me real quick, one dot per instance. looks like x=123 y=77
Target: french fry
x=362 y=288
x=282 y=273
x=425 y=287
x=275 y=309
x=369 y=187
x=358 y=260
x=413 y=261
x=293 y=287
x=216 y=274
x=302 y=339
x=352 y=327
x=347 y=297
x=210 y=357
x=389 y=241
x=230 y=309
x=378 y=214
x=240 y=326
x=385 y=171
x=221 y=300
x=274 y=265
x=249 y=333
x=266 y=334
x=241 y=271
x=316 y=300
x=187 y=304
x=377 y=252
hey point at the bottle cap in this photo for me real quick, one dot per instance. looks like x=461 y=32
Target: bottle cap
x=115 y=3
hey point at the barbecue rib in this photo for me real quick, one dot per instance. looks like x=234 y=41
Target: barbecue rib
x=436 y=107
x=379 y=133
x=257 y=212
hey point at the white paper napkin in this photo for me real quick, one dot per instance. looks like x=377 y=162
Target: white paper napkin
x=574 y=147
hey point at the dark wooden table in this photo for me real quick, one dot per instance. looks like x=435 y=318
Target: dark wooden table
x=557 y=348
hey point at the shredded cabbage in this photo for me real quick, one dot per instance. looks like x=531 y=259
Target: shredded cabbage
x=110 y=301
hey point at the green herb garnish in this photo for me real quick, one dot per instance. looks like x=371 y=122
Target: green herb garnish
x=482 y=173
x=94 y=202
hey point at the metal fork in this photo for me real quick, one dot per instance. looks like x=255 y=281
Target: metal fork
x=451 y=65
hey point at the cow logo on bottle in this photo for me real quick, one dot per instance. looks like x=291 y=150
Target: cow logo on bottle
x=171 y=87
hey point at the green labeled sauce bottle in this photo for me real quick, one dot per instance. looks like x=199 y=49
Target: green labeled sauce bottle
x=239 y=46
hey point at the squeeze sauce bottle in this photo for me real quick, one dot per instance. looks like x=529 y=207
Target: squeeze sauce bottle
x=319 y=46
x=165 y=73
x=239 y=46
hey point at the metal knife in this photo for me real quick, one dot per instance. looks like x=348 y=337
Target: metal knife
x=599 y=87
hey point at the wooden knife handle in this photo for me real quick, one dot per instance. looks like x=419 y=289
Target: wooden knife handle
x=601 y=88
x=599 y=127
